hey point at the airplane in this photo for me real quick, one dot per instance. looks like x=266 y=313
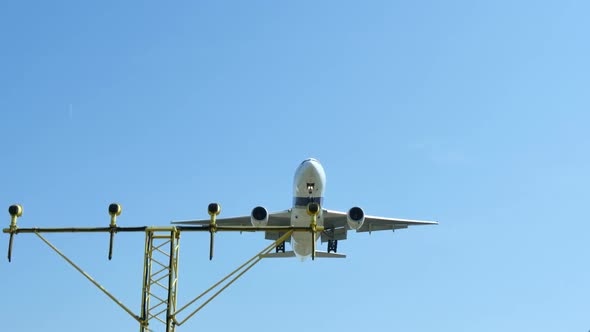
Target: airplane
x=308 y=189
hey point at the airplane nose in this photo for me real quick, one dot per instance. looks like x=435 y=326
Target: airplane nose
x=310 y=169
x=309 y=178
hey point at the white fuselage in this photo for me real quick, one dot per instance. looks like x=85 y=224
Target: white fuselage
x=308 y=186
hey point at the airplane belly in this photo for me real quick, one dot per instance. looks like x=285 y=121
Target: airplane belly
x=302 y=241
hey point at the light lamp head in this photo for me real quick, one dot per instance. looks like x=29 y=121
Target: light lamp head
x=313 y=209
x=214 y=209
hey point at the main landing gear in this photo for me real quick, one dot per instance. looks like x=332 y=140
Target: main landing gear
x=280 y=247
x=332 y=246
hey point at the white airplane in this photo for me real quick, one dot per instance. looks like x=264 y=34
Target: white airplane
x=308 y=188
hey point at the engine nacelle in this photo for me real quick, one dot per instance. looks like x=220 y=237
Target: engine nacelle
x=259 y=217
x=355 y=217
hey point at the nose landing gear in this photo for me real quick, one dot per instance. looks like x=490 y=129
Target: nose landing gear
x=332 y=246
x=310 y=187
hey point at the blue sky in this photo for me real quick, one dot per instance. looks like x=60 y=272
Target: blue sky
x=472 y=114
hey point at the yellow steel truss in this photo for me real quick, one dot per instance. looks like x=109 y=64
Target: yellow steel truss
x=160 y=273
x=160 y=278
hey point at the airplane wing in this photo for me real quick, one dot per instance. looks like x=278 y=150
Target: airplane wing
x=335 y=222
x=282 y=218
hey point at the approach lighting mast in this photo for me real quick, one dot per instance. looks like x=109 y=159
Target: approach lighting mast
x=161 y=252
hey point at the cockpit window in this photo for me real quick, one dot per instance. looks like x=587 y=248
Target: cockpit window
x=309 y=159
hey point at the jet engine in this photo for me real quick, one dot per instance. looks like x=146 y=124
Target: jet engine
x=259 y=217
x=355 y=217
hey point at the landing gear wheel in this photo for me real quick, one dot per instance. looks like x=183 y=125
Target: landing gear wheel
x=332 y=246
x=280 y=247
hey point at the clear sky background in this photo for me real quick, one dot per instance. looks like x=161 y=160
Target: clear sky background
x=475 y=114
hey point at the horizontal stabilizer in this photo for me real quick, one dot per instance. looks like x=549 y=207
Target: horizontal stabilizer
x=318 y=254
x=280 y=254
x=323 y=254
